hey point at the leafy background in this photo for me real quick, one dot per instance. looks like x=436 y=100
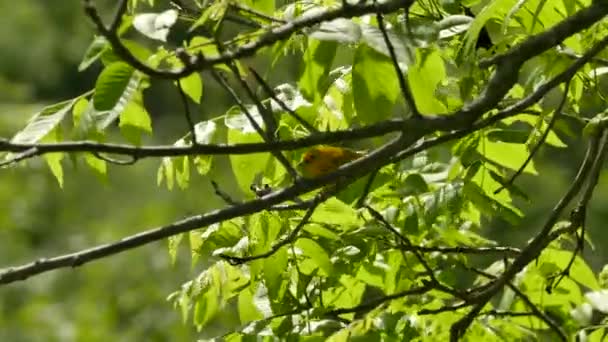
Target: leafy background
x=125 y=297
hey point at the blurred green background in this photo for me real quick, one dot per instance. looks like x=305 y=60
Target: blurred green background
x=123 y=298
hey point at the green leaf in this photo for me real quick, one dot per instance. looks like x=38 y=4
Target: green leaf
x=94 y=51
x=424 y=77
x=247 y=311
x=196 y=241
x=208 y=304
x=166 y=172
x=43 y=122
x=508 y=155
x=335 y=212
x=493 y=9
x=375 y=86
x=80 y=108
x=182 y=171
x=373 y=37
x=264 y=6
x=237 y=120
x=103 y=119
x=489 y=206
x=111 y=84
x=155 y=25
x=338 y=30
x=274 y=273
x=580 y=271
x=316 y=254
x=246 y=167
x=539 y=125
x=193 y=86
x=453 y=25
x=98 y=166
x=317 y=59
x=173 y=244
x=53 y=160
x=134 y=120
x=372 y=274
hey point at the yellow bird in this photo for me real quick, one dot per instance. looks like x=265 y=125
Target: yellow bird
x=321 y=160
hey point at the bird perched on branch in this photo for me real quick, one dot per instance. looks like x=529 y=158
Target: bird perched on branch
x=321 y=160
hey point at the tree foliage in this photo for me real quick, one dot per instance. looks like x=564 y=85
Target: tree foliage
x=452 y=101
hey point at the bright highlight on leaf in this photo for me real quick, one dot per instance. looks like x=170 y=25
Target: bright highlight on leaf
x=155 y=25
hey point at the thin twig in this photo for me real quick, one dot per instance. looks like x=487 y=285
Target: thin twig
x=266 y=136
x=504 y=251
x=379 y=301
x=366 y=189
x=579 y=213
x=241 y=8
x=286 y=108
x=275 y=248
x=405 y=90
x=184 y=99
x=446 y=308
x=535 y=310
x=222 y=194
x=539 y=143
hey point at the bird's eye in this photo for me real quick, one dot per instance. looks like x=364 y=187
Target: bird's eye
x=309 y=157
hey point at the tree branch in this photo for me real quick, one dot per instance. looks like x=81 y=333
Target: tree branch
x=349 y=171
x=534 y=248
x=284 y=31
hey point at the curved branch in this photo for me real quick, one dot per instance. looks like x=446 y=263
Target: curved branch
x=199 y=63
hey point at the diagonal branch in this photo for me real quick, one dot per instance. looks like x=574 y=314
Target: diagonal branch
x=286 y=108
x=540 y=141
x=536 y=246
x=268 y=135
x=535 y=310
x=351 y=171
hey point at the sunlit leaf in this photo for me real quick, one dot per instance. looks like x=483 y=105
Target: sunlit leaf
x=111 y=84
x=375 y=85
x=155 y=25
